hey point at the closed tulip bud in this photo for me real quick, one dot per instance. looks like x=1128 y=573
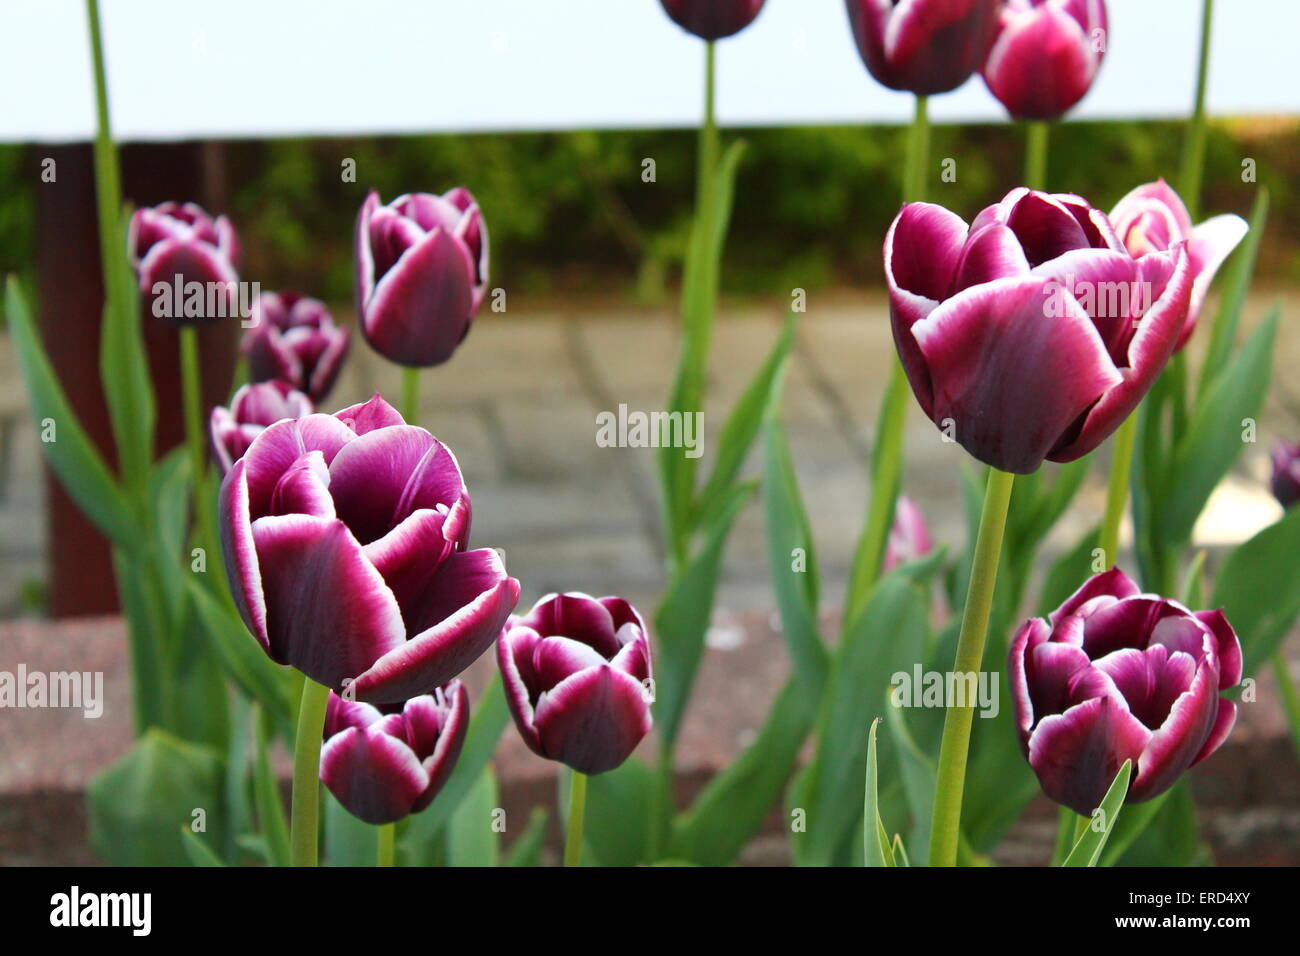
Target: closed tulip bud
x=422 y=269
x=923 y=46
x=294 y=338
x=385 y=766
x=1032 y=333
x=186 y=263
x=1046 y=55
x=576 y=671
x=253 y=408
x=1152 y=218
x=1286 y=473
x=344 y=539
x=1116 y=675
x=909 y=538
x=713 y=19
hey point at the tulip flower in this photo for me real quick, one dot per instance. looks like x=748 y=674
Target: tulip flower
x=713 y=19
x=1032 y=333
x=574 y=671
x=422 y=267
x=384 y=766
x=344 y=539
x=1152 y=218
x=1286 y=473
x=909 y=538
x=923 y=46
x=253 y=408
x=1046 y=55
x=172 y=247
x=1117 y=675
x=294 y=338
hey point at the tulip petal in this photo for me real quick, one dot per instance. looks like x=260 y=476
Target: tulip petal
x=1107 y=285
x=1174 y=746
x=1224 y=719
x=634 y=658
x=328 y=611
x=1227 y=647
x=593 y=720
x=240 y=552
x=1041 y=64
x=578 y=616
x=1210 y=244
x=555 y=658
x=1076 y=755
x=1031 y=634
x=370 y=415
x=276 y=449
x=1012 y=379
x=1045 y=227
x=451 y=739
x=991 y=253
x=376 y=777
x=1113 y=583
x=408 y=559
x=515 y=659
x=361 y=252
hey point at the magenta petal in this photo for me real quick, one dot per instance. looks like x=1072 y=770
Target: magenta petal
x=370 y=415
x=361 y=252
x=578 y=616
x=470 y=598
x=515 y=659
x=1120 y=625
x=1041 y=64
x=1076 y=755
x=1011 y=380
x=1031 y=634
x=368 y=477
x=1224 y=720
x=1227 y=647
x=1210 y=244
x=1050 y=668
x=1106 y=284
x=1113 y=583
x=991 y=253
x=1045 y=227
x=451 y=738
x=1177 y=742
x=376 y=777
x=593 y=720
x=241 y=554
x=421 y=308
x=634 y=658
x=276 y=449
x=555 y=658
x=408 y=558
x=328 y=612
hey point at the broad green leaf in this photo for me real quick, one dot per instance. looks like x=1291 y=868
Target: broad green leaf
x=138 y=805
x=197 y=850
x=238 y=785
x=1258 y=588
x=1238 y=277
x=1170 y=837
x=271 y=821
x=1087 y=850
x=618 y=806
x=1068 y=572
x=71 y=454
x=348 y=841
x=900 y=853
x=1132 y=822
x=876 y=849
x=472 y=835
x=266 y=682
x=918 y=775
x=527 y=848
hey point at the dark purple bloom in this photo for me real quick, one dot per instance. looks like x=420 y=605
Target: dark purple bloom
x=1046 y=55
x=923 y=46
x=253 y=408
x=1286 y=472
x=1117 y=675
x=294 y=338
x=1152 y=218
x=385 y=766
x=344 y=537
x=1032 y=333
x=713 y=19
x=577 y=671
x=172 y=247
x=422 y=269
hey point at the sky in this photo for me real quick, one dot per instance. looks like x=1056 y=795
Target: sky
x=183 y=69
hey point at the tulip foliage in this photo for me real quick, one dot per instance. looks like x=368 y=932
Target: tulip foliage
x=1032 y=333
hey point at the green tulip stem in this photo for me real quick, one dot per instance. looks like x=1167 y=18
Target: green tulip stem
x=304 y=823
x=195 y=433
x=887 y=457
x=708 y=142
x=945 y=827
x=1036 y=136
x=577 y=809
x=1194 y=146
x=1121 y=464
x=411 y=395
x=387 y=844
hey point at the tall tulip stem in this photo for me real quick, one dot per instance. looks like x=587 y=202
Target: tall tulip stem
x=195 y=434
x=577 y=809
x=387 y=844
x=1117 y=490
x=1194 y=147
x=304 y=824
x=945 y=825
x=1036 y=137
x=411 y=395
x=887 y=456
x=708 y=144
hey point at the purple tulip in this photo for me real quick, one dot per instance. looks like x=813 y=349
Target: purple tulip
x=384 y=766
x=1032 y=333
x=1046 y=55
x=173 y=245
x=294 y=338
x=576 y=669
x=923 y=46
x=1152 y=218
x=713 y=19
x=1118 y=675
x=344 y=537
x=253 y=408
x=422 y=268
x=1286 y=473
x=909 y=538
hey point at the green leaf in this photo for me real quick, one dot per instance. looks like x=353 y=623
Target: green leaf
x=138 y=805
x=527 y=848
x=1087 y=849
x=1238 y=276
x=918 y=775
x=618 y=805
x=71 y=454
x=683 y=616
x=348 y=841
x=271 y=821
x=1258 y=588
x=1132 y=822
x=197 y=850
x=875 y=843
x=1068 y=572
x=1213 y=439
x=472 y=838
x=266 y=682
x=1171 y=836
